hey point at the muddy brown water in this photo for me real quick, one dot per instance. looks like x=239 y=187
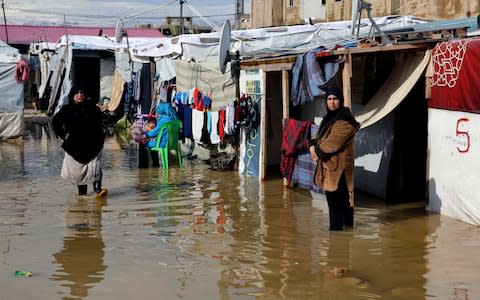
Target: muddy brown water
x=195 y=233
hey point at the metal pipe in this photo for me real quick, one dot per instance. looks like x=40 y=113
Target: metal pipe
x=181 y=16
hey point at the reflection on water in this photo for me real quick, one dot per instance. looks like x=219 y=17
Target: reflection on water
x=198 y=233
x=81 y=259
x=12 y=155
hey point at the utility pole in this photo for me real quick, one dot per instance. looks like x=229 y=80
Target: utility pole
x=5 y=20
x=239 y=12
x=181 y=16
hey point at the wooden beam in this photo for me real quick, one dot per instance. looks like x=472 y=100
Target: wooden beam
x=422 y=46
x=276 y=63
x=268 y=67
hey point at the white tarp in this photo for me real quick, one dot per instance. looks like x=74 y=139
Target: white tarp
x=395 y=88
x=11 y=91
x=107 y=69
x=258 y=42
x=453 y=164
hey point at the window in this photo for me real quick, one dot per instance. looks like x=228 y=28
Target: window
x=324 y=2
x=291 y=3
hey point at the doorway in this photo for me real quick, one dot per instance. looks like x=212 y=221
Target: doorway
x=86 y=72
x=274 y=115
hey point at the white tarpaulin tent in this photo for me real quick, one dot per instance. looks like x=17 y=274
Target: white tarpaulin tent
x=11 y=94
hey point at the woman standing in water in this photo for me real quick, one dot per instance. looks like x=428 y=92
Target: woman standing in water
x=333 y=150
x=80 y=125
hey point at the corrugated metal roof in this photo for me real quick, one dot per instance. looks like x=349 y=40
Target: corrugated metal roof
x=26 y=34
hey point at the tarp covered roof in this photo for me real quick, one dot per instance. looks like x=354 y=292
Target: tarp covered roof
x=262 y=42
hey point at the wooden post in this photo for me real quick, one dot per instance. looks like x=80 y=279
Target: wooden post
x=347 y=96
x=263 y=127
x=285 y=94
x=346 y=76
x=285 y=102
x=153 y=68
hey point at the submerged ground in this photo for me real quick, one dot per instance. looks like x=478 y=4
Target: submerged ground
x=195 y=233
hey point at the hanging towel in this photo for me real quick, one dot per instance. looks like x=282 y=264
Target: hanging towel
x=197 y=124
x=230 y=119
x=221 y=123
x=214 y=137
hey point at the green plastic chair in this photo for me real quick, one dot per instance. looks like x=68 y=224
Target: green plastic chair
x=173 y=131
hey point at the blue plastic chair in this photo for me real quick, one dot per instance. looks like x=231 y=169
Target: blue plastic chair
x=173 y=131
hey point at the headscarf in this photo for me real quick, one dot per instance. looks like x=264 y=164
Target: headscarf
x=331 y=115
x=337 y=92
x=74 y=90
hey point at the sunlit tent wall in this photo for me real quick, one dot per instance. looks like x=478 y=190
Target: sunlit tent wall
x=11 y=98
x=453 y=118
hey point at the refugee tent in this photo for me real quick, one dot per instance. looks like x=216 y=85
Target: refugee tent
x=90 y=60
x=11 y=94
x=453 y=131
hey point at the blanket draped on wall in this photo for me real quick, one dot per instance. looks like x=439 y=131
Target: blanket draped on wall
x=309 y=78
x=455 y=68
x=295 y=139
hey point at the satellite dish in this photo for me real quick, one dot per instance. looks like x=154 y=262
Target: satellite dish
x=120 y=31
x=224 y=48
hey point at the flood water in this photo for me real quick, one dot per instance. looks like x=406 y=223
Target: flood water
x=195 y=233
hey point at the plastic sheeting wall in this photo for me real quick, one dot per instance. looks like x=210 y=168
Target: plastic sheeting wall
x=453 y=164
x=11 y=101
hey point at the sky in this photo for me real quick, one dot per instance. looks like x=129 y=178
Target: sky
x=107 y=12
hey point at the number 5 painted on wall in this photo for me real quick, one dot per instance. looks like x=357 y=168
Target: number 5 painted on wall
x=461 y=133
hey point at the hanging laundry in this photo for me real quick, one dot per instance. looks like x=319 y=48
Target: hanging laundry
x=197 y=124
x=295 y=139
x=221 y=123
x=205 y=138
x=230 y=118
x=22 y=71
x=214 y=137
